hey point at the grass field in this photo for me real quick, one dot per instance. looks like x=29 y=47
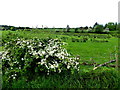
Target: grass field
x=99 y=51
x=91 y=47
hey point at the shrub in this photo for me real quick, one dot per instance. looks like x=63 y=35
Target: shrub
x=42 y=56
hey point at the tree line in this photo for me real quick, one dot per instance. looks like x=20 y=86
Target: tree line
x=98 y=28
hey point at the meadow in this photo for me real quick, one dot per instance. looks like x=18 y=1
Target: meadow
x=91 y=48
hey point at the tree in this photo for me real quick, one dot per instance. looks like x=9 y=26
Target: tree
x=86 y=27
x=111 y=26
x=90 y=27
x=105 y=26
x=95 y=24
x=98 y=28
x=68 y=28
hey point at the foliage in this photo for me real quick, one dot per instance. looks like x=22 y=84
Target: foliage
x=98 y=52
x=9 y=36
x=100 y=78
x=95 y=25
x=12 y=28
x=111 y=26
x=41 y=56
x=98 y=28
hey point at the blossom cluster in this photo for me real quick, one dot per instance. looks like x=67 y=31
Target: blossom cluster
x=37 y=55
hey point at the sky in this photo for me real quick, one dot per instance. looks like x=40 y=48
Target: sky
x=57 y=13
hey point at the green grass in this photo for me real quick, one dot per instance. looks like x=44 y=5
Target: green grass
x=100 y=52
x=108 y=78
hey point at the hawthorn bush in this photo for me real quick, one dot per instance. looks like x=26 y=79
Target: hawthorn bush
x=23 y=57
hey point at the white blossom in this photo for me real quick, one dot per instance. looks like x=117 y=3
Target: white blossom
x=51 y=66
x=29 y=46
x=43 y=52
x=44 y=55
x=18 y=42
x=22 y=59
x=19 y=67
x=13 y=77
x=68 y=66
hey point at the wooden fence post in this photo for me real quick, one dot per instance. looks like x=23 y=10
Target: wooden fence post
x=116 y=56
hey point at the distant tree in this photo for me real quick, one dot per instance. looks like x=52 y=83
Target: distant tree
x=105 y=26
x=98 y=28
x=90 y=27
x=86 y=27
x=36 y=26
x=42 y=27
x=81 y=28
x=95 y=24
x=68 y=28
x=111 y=26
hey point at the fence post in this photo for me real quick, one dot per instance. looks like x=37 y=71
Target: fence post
x=116 y=56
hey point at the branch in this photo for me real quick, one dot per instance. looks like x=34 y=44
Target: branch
x=104 y=64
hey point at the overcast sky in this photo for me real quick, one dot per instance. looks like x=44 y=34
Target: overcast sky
x=57 y=13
